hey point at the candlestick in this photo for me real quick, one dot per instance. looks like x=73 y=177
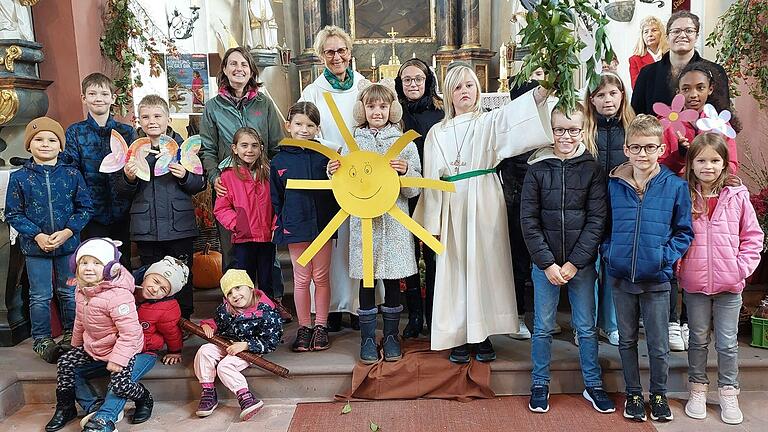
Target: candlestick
x=503 y=62
x=373 y=60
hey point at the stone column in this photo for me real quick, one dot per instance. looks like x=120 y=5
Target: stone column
x=446 y=25
x=337 y=13
x=311 y=24
x=470 y=32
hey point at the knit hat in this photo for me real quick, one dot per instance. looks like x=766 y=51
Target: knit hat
x=103 y=249
x=234 y=278
x=172 y=270
x=41 y=124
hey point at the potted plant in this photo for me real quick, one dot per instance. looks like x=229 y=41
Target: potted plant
x=741 y=40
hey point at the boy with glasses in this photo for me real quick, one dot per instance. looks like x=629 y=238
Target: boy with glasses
x=562 y=214
x=650 y=229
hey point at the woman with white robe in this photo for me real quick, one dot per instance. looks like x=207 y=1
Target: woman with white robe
x=474 y=287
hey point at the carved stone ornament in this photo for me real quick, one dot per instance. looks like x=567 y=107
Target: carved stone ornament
x=12 y=53
x=9 y=105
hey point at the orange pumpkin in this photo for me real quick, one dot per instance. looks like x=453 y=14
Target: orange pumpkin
x=206 y=268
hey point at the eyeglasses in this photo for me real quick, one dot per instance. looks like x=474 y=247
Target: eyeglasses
x=330 y=54
x=690 y=31
x=574 y=132
x=419 y=80
x=649 y=148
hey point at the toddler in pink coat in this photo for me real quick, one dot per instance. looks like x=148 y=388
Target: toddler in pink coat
x=106 y=327
x=725 y=250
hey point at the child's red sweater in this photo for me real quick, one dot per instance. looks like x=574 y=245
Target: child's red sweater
x=160 y=321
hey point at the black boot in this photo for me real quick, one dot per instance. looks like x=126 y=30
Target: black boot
x=391 y=342
x=369 y=352
x=415 y=314
x=144 y=407
x=334 y=322
x=65 y=410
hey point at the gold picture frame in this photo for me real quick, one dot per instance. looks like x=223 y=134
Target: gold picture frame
x=401 y=37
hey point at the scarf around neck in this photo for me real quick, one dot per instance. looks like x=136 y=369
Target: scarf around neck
x=337 y=84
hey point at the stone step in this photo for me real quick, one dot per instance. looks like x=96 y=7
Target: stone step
x=322 y=375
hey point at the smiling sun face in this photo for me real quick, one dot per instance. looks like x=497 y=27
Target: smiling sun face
x=365 y=186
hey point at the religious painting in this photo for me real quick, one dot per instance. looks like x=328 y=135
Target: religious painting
x=372 y=21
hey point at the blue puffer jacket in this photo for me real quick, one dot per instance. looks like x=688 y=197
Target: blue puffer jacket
x=46 y=199
x=300 y=214
x=87 y=145
x=647 y=235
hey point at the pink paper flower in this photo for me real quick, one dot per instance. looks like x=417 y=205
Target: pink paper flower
x=716 y=122
x=672 y=117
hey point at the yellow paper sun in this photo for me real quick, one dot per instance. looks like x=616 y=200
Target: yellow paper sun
x=365 y=186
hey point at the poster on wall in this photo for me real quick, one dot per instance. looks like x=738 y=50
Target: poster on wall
x=187 y=83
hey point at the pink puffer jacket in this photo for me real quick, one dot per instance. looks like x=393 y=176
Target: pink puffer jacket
x=725 y=249
x=106 y=322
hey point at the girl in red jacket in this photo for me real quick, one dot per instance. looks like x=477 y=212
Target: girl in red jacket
x=246 y=209
x=106 y=330
x=725 y=250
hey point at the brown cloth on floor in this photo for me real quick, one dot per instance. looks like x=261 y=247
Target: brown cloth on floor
x=421 y=373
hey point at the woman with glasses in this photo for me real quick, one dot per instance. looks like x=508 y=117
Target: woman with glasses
x=653 y=84
x=416 y=88
x=651 y=45
x=334 y=47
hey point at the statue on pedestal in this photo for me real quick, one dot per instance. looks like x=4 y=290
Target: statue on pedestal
x=15 y=20
x=259 y=24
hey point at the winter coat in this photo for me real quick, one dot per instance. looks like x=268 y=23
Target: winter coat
x=224 y=115
x=106 y=322
x=563 y=208
x=300 y=215
x=726 y=248
x=162 y=208
x=393 y=245
x=46 y=199
x=636 y=63
x=648 y=233
x=246 y=209
x=160 y=321
x=674 y=156
x=610 y=143
x=87 y=144
x=654 y=84
x=260 y=325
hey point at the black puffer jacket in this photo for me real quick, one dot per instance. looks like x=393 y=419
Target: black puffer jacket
x=563 y=208
x=610 y=142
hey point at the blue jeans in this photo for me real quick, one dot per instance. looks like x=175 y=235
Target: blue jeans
x=44 y=274
x=654 y=307
x=113 y=404
x=581 y=294
x=606 y=311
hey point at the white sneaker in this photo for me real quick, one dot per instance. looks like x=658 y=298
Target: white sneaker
x=675 y=338
x=697 y=401
x=613 y=338
x=87 y=417
x=685 y=334
x=522 y=333
x=557 y=329
x=729 y=405
x=575 y=338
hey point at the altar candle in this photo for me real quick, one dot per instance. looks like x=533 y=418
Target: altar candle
x=373 y=60
x=354 y=64
x=503 y=62
x=434 y=62
x=414 y=55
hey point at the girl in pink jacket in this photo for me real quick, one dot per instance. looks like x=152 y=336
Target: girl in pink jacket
x=106 y=328
x=246 y=209
x=725 y=250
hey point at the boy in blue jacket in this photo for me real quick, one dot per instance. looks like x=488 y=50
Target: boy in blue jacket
x=48 y=204
x=650 y=230
x=87 y=145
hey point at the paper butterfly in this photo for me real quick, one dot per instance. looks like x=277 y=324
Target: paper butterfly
x=186 y=155
x=121 y=153
x=672 y=117
x=716 y=122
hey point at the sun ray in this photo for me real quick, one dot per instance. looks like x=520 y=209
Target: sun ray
x=367 y=225
x=400 y=144
x=323 y=237
x=418 y=182
x=309 y=184
x=417 y=229
x=312 y=145
x=348 y=139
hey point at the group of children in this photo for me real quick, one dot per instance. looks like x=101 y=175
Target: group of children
x=665 y=218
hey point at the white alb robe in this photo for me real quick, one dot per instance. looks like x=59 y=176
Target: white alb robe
x=474 y=287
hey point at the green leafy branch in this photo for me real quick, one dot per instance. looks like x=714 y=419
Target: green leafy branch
x=741 y=40
x=551 y=37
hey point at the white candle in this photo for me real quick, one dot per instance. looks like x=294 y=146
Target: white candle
x=354 y=64
x=434 y=62
x=503 y=62
x=373 y=60
x=414 y=55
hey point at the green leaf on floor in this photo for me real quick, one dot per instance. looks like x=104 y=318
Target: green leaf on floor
x=347 y=408
x=374 y=427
